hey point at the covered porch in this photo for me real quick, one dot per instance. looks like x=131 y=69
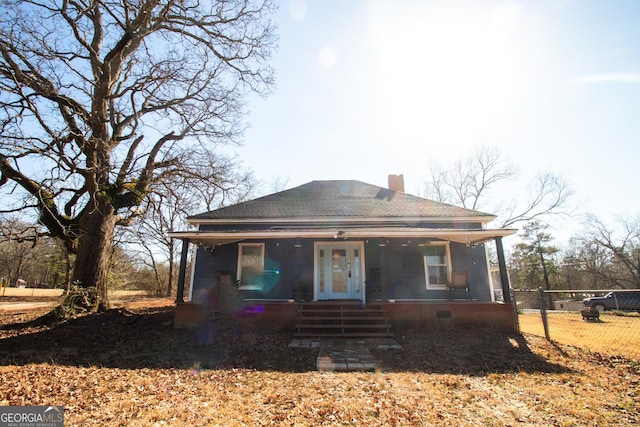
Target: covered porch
x=380 y=286
x=377 y=283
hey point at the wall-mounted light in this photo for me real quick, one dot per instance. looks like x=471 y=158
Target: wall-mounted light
x=298 y=243
x=382 y=242
x=338 y=234
x=405 y=243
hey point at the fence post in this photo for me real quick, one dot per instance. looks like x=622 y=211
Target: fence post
x=543 y=313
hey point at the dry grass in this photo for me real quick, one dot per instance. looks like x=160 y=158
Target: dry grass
x=612 y=335
x=132 y=368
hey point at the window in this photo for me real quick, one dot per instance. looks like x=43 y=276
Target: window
x=250 y=265
x=437 y=265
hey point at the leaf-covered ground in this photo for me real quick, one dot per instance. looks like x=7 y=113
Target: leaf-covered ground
x=130 y=367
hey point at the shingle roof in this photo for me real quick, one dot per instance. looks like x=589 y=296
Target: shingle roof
x=339 y=200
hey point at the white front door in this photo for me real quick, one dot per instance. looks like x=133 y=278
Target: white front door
x=338 y=272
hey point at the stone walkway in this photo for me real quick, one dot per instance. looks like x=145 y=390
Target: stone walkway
x=346 y=354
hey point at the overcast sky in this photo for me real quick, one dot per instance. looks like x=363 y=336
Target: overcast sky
x=372 y=88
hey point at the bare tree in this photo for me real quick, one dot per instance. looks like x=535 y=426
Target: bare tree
x=100 y=101
x=546 y=195
x=611 y=254
x=278 y=183
x=584 y=264
x=220 y=182
x=473 y=182
x=468 y=180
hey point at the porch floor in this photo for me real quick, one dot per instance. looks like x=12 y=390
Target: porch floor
x=346 y=354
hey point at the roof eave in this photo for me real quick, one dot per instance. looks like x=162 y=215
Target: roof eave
x=469 y=237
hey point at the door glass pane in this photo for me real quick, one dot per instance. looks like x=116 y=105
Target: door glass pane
x=339 y=270
x=356 y=270
x=321 y=270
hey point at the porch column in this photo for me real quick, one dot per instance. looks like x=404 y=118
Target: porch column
x=182 y=270
x=383 y=269
x=504 y=277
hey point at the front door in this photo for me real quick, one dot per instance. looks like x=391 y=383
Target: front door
x=338 y=272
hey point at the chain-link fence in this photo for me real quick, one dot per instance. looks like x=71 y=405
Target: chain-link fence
x=602 y=321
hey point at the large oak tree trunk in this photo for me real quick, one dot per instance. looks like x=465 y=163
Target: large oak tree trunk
x=91 y=268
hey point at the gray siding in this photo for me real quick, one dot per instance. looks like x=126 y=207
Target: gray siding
x=291 y=270
x=475 y=262
x=405 y=274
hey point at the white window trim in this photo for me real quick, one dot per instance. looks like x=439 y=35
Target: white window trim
x=437 y=286
x=239 y=270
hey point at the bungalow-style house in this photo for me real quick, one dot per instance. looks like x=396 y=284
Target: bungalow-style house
x=349 y=244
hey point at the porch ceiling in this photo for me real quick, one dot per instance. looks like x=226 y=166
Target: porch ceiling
x=465 y=236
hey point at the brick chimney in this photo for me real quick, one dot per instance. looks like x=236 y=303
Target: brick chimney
x=396 y=183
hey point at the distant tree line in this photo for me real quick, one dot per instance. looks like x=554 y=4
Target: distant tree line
x=44 y=263
x=28 y=260
x=604 y=256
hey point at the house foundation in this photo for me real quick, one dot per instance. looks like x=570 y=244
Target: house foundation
x=284 y=315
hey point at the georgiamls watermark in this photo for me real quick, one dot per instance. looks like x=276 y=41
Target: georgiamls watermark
x=31 y=416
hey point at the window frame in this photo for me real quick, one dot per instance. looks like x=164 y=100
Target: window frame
x=241 y=246
x=437 y=286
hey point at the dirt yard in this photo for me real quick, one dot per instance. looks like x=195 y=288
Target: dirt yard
x=130 y=367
